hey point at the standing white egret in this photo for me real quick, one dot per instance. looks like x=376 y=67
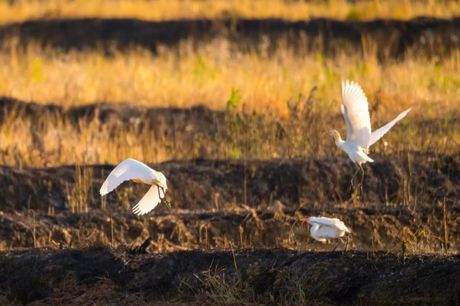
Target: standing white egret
x=138 y=172
x=355 y=111
x=324 y=228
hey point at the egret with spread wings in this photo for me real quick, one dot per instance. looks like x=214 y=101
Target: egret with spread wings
x=138 y=172
x=355 y=111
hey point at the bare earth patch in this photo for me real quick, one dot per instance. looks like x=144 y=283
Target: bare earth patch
x=227 y=277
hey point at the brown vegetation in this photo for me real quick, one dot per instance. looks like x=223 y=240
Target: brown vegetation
x=235 y=111
x=19 y=10
x=207 y=74
x=33 y=135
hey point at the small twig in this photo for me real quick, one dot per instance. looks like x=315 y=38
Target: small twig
x=111 y=229
x=444 y=221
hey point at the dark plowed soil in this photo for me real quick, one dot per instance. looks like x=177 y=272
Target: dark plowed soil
x=102 y=276
x=420 y=179
x=392 y=38
x=273 y=227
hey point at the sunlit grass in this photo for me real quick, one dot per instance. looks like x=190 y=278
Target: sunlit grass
x=20 y=10
x=219 y=76
x=207 y=75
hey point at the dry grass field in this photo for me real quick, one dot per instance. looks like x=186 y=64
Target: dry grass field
x=235 y=109
x=272 y=86
x=186 y=76
x=20 y=10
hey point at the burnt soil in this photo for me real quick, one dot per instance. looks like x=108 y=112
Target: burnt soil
x=392 y=38
x=56 y=256
x=207 y=184
x=102 y=275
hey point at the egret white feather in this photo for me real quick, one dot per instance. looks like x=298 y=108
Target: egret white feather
x=377 y=134
x=324 y=228
x=355 y=111
x=138 y=172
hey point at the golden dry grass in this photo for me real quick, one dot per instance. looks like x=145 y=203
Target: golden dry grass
x=206 y=75
x=187 y=76
x=12 y=11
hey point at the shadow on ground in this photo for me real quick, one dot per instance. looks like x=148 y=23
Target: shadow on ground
x=391 y=38
x=242 y=276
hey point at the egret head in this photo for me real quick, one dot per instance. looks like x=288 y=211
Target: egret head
x=307 y=220
x=335 y=135
x=162 y=182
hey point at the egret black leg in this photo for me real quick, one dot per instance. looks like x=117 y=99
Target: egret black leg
x=362 y=178
x=346 y=245
x=353 y=177
x=336 y=246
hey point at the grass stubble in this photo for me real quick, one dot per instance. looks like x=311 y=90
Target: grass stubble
x=298 y=93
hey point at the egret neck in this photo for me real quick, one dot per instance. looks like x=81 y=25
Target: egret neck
x=339 y=142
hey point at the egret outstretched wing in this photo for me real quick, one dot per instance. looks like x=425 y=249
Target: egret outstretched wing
x=355 y=111
x=150 y=200
x=347 y=121
x=377 y=134
x=127 y=170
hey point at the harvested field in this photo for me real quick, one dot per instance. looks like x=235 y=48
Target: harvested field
x=233 y=102
x=236 y=227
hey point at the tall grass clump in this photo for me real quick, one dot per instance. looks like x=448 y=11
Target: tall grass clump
x=79 y=194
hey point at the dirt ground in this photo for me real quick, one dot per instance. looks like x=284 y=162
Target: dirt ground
x=386 y=229
x=54 y=255
x=102 y=276
x=215 y=184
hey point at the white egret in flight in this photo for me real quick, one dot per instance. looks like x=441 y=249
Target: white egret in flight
x=138 y=172
x=355 y=111
x=324 y=228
